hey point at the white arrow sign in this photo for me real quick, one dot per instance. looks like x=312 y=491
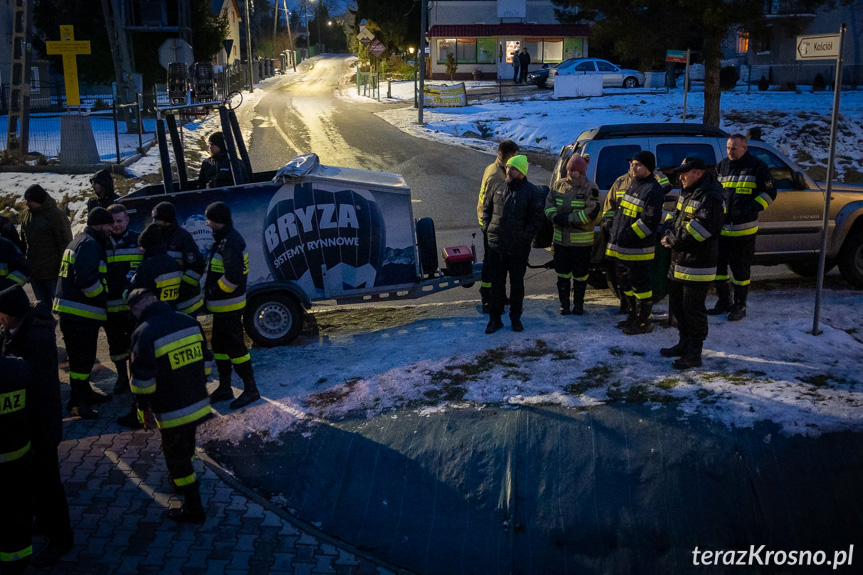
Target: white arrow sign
x=821 y=47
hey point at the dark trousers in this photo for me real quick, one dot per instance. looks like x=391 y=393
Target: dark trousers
x=118 y=330
x=503 y=264
x=178 y=446
x=515 y=74
x=523 y=74
x=229 y=345
x=686 y=303
x=572 y=261
x=50 y=506
x=44 y=290
x=81 y=337
x=16 y=526
x=735 y=252
x=485 y=278
x=633 y=279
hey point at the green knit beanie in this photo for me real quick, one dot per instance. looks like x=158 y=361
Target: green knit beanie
x=519 y=163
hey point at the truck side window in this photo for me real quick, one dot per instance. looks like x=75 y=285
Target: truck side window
x=780 y=172
x=669 y=156
x=613 y=162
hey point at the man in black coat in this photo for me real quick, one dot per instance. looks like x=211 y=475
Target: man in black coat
x=511 y=215
x=216 y=170
x=523 y=63
x=103 y=187
x=29 y=333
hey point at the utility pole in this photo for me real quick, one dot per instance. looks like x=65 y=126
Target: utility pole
x=290 y=36
x=319 y=47
x=249 y=49
x=422 y=58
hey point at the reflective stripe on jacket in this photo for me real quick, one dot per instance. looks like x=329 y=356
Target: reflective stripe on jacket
x=579 y=201
x=749 y=189
x=693 y=231
x=227 y=272
x=82 y=285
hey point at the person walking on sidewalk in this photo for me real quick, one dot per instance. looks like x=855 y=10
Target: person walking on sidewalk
x=123 y=256
x=749 y=190
x=81 y=303
x=182 y=247
x=633 y=242
x=169 y=366
x=692 y=233
x=29 y=332
x=45 y=233
x=572 y=206
x=511 y=216
x=225 y=294
x=16 y=468
x=495 y=173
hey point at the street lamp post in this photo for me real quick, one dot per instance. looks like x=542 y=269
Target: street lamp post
x=411 y=50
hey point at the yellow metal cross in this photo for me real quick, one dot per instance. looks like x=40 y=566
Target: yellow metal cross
x=69 y=48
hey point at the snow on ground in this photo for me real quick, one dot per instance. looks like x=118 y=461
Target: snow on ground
x=436 y=356
x=766 y=367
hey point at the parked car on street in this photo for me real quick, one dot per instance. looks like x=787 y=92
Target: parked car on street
x=539 y=78
x=789 y=231
x=613 y=76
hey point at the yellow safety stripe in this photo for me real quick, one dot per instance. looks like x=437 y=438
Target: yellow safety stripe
x=184 y=415
x=6 y=557
x=143 y=386
x=81 y=310
x=762 y=202
x=187 y=480
x=740 y=282
x=18 y=277
x=216 y=264
x=79 y=376
x=736 y=233
x=721 y=278
x=485 y=284
x=94 y=289
x=192 y=305
x=641 y=229
x=551 y=210
x=694 y=274
x=697 y=231
x=226 y=305
x=180 y=339
x=582 y=278
x=14 y=455
x=643 y=295
x=225 y=285
x=241 y=359
x=221 y=357
x=565 y=276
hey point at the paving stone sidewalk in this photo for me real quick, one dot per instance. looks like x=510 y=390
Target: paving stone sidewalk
x=118 y=491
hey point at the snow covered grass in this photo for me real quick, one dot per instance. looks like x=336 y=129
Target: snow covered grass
x=436 y=356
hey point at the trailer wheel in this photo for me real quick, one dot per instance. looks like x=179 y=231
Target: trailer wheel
x=427 y=246
x=273 y=319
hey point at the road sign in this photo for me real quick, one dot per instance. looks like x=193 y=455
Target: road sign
x=228 y=44
x=820 y=47
x=675 y=56
x=377 y=48
x=175 y=50
x=365 y=37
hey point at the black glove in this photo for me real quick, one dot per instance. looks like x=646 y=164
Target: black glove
x=560 y=220
x=605 y=226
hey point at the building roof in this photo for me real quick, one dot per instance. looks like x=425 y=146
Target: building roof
x=510 y=29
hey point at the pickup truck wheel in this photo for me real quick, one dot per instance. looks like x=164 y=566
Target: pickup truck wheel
x=851 y=259
x=427 y=246
x=273 y=319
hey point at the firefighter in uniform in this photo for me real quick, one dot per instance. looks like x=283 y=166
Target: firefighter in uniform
x=158 y=273
x=30 y=332
x=692 y=234
x=225 y=293
x=182 y=247
x=123 y=257
x=16 y=471
x=632 y=242
x=170 y=362
x=494 y=173
x=749 y=189
x=81 y=302
x=14 y=269
x=609 y=208
x=572 y=206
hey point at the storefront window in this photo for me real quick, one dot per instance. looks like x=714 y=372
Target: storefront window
x=486 y=50
x=573 y=48
x=534 y=48
x=512 y=49
x=465 y=50
x=552 y=50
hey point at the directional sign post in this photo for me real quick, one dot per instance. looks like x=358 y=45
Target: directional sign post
x=365 y=37
x=69 y=48
x=825 y=47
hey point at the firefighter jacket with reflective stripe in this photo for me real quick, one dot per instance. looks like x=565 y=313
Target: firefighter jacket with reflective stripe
x=14 y=268
x=82 y=286
x=494 y=173
x=619 y=188
x=693 y=231
x=14 y=426
x=182 y=247
x=123 y=256
x=748 y=190
x=159 y=273
x=225 y=290
x=633 y=229
x=169 y=366
x=579 y=202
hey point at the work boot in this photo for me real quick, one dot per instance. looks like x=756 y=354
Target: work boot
x=78 y=406
x=494 y=324
x=723 y=304
x=192 y=510
x=578 y=289
x=642 y=323
x=563 y=294
x=690 y=358
x=674 y=351
x=738 y=310
x=631 y=310
x=95 y=396
x=516 y=324
x=224 y=391
x=130 y=420
x=122 y=383
x=485 y=296
x=250 y=387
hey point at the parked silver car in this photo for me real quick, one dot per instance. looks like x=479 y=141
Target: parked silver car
x=613 y=76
